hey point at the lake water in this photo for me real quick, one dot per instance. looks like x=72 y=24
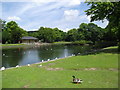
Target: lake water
x=24 y=56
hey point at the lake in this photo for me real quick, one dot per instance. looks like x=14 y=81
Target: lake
x=23 y=56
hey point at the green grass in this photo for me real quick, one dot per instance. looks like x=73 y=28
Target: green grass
x=10 y=44
x=7 y=46
x=97 y=71
x=62 y=42
x=113 y=47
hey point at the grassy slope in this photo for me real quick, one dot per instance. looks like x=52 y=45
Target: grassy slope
x=60 y=73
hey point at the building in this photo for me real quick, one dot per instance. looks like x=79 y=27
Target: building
x=29 y=39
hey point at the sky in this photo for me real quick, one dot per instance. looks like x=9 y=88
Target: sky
x=33 y=14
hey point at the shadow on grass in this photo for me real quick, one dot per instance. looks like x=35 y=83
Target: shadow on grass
x=74 y=83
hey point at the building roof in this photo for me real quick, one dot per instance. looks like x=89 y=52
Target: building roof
x=29 y=37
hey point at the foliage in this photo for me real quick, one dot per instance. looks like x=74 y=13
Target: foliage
x=12 y=33
x=88 y=32
x=106 y=10
x=72 y=35
x=33 y=33
x=50 y=35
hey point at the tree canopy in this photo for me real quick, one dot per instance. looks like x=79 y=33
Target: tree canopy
x=106 y=10
x=12 y=33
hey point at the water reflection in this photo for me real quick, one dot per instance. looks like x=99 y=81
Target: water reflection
x=24 y=56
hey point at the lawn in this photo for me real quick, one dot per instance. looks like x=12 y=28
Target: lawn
x=98 y=70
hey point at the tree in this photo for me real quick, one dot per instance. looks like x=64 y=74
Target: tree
x=91 y=32
x=72 y=35
x=46 y=34
x=106 y=10
x=33 y=33
x=60 y=35
x=12 y=33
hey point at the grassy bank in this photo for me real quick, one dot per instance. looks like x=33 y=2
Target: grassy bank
x=7 y=46
x=62 y=42
x=99 y=70
x=11 y=44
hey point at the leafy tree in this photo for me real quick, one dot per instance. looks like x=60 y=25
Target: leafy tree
x=12 y=33
x=72 y=35
x=5 y=37
x=106 y=10
x=50 y=35
x=60 y=35
x=46 y=34
x=90 y=32
x=33 y=33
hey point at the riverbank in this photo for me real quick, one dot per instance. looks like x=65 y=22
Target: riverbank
x=7 y=46
x=98 y=70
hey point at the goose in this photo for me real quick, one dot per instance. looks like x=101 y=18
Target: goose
x=48 y=59
x=40 y=65
x=56 y=58
x=28 y=65
x=76 y=80
x=2 y=68
x=17 y=66
x=3 y=54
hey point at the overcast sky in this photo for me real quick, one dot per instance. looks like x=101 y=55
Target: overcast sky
x=32 y=14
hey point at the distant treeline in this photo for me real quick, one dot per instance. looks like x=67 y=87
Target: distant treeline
x=91 y=33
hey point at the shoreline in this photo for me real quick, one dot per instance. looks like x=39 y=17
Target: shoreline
x=38 y=62
x=56 y=59
x=10 y=46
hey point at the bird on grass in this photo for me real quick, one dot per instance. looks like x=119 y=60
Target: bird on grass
x=77 y=80
x=40 y=65
x=28 y=65
x=2 y=69
x=48 y=59
x=17 y=66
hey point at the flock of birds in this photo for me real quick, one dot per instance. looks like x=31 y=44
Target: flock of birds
x=3 y=68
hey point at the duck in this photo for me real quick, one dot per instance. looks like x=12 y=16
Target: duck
x=40 y=65
x=77 y=80
x=56 y=58
x=17 y=66
x=2 y=69
x=28 y=65
x=3 y=54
